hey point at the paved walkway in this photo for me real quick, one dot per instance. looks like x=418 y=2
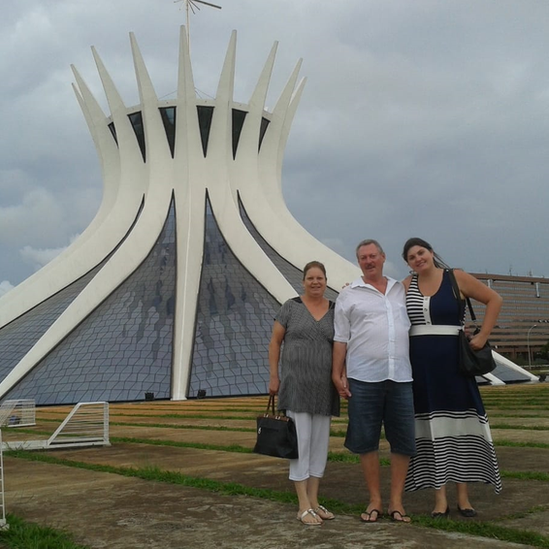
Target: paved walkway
x=105 y=510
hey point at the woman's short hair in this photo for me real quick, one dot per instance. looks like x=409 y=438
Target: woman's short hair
x=312 y=265
x=415 y=241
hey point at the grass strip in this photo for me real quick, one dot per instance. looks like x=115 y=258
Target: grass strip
x=518 y=407
x=344 y=457
x=515 y=388
x=27 y=535
x=525 y=475
x=335 y=457
x=333 y=433
x=195 y=445
x=519 y=427
x=165 y=425
x=339 y=433
x=338 y=422
x=187 y=426
x=506 y=399
x=478 y=528
x=520 y=416
x=502 y=443
x=524 y=514
x=485 y=529
x=190 y=416
x=513 y=444
x=218 y=412
x=522 y=400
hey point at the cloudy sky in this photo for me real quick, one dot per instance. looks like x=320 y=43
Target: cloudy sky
x=420 y=118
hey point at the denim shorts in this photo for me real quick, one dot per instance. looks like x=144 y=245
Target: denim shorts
x=372 y=404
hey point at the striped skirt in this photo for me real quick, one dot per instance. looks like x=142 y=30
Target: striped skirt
x=452 y=447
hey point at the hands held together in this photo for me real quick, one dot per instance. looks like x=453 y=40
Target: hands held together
x=342 y=386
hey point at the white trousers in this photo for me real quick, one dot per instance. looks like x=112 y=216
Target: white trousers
x=313 y=436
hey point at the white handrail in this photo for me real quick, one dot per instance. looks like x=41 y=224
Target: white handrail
x=86 y=425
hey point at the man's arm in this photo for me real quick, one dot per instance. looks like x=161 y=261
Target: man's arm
x=342 y=330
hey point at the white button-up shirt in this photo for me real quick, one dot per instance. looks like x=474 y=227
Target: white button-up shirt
x=375 y=328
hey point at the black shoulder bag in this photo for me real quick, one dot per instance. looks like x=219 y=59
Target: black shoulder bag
x=276 y=434
x=471 y=363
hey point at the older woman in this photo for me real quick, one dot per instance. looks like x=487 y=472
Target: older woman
x=453 y=438
x=306 y=327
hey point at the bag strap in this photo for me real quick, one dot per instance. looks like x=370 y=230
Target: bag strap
x=270 y=405
x=471 y=312
x=457 y=295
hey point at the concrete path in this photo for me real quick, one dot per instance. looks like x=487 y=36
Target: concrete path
x=105 y=510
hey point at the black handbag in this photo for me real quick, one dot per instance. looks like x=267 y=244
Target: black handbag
x=471 y=363
x=276 y=434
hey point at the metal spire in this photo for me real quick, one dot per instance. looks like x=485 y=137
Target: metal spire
x=194 y=7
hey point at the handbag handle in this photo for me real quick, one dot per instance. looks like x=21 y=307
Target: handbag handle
x=460 y=301
x=271 y=408
x=270 y=405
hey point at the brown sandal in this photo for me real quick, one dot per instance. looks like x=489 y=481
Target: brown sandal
x=397 y=516
x=369 y=515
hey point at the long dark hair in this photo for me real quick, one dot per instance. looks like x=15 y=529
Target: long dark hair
x=415 y=241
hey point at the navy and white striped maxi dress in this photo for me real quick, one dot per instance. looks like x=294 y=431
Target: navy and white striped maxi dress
x=453 y=438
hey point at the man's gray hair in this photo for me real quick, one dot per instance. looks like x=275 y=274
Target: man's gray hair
x=367 y=242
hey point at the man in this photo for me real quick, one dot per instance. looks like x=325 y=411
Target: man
x=372 y=369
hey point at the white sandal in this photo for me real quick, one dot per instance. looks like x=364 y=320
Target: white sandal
x=313 y=514
x=328 y=515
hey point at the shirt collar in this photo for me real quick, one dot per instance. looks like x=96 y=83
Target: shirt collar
x=359 y=283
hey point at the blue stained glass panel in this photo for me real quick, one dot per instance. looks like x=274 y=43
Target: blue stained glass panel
x=292 y=274
x=19 y=336
x=234 y=324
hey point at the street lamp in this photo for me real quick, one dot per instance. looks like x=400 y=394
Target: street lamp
x=528 y=345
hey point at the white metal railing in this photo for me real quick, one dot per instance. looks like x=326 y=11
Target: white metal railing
x=18 y=413
x=3 y=523
x=86 y=425
x=5 y=411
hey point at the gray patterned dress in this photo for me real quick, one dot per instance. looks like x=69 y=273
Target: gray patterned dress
x=306 y=362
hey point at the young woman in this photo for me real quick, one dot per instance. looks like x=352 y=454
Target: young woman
x=305 y=391
x=453 y=438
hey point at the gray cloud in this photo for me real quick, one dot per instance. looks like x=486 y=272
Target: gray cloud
x=5 y=287
x=419 y=118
